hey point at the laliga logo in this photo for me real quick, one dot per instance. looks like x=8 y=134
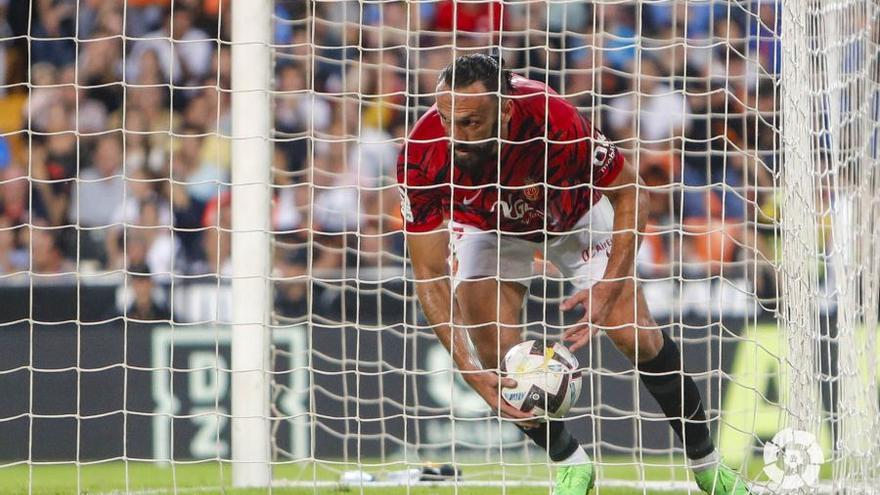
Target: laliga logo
x=801 y=458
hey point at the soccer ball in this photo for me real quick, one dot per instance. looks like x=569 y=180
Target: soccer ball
x=547 y=378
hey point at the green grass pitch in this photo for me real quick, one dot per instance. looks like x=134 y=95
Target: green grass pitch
x=212 y=477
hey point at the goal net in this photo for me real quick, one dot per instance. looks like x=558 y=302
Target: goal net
x=205 y=266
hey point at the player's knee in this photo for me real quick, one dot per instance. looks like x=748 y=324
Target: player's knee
x=639 y=345
x=492 y=345
x=484 y=339
x=628 y=348
x=490 y=359
x=650 y=344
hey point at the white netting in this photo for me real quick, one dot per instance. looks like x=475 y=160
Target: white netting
x=754 y=125
x=693 y=92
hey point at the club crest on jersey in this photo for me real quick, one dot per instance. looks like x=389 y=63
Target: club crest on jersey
x=532 y=193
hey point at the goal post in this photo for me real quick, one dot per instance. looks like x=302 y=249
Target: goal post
x=799 y=182
x=829 y=84
x=251 y=242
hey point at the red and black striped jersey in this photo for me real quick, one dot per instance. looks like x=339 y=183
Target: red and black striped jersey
x=542 y=181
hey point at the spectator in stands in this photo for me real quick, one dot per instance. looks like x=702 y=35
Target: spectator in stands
x=291 y=292
x=619 y=40
x=221 y=70
x=100 y=68
x=359 y=185
x=55 y=22
x=54 y=168
x=98 y=194
x=48 y=262
x=163 y=247
x=385 y=24
x=200 y=172
x=653 y=111
x=722 y=163
x=145 y=213
x=147 y=111
x=431 y=60
x=297 y=113
x=14 y=195
x=468 y=17
x=291 y=202
x=469 y=24
x=217 y=240
x=140 y=152
x=348 y=144
x=188 y=198
x=580 y=79
x=764 y=127
x=5 y=46
x=764 y=34
x=730 y=61
x=144 y=305
x=42 y=97
x=13 y=256
x=99 y=18
x=527 y=37
x=51 y=107
x=144 y=16
x=201 y=116
x=183 y=54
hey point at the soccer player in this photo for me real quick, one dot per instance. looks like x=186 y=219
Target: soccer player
x=516 y=169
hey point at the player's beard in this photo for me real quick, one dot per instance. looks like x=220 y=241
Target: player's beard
x=478 y=155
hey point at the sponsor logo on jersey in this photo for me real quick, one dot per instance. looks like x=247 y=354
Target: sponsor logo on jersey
x=520 y=209
x=468 y=201
x=603 y=153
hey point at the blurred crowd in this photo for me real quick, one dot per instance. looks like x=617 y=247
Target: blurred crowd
x=688 y=90
x=116 y=116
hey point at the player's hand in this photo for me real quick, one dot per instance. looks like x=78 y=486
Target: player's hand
x=597 y=302
x=488 y=384
x=579 y=336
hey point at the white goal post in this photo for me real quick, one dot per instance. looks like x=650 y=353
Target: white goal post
x=251 y=250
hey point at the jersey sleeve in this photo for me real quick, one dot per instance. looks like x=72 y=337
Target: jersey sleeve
x=605 y=159
x=582 y=150
x=421 y=200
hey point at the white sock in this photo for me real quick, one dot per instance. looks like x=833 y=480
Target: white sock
x=579 y=456
x=704 y=463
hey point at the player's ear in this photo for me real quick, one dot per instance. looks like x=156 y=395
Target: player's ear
x=506 y=106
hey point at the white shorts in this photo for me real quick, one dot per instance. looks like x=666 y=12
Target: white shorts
x=581 y=256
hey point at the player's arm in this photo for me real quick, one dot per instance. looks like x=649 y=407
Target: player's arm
x=630 y=216
x=428 y=252
x=618 y=286
x=421 y=200
x=428 y=244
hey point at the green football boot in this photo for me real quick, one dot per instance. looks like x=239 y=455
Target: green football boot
x=721 y=481
x=574 y=479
